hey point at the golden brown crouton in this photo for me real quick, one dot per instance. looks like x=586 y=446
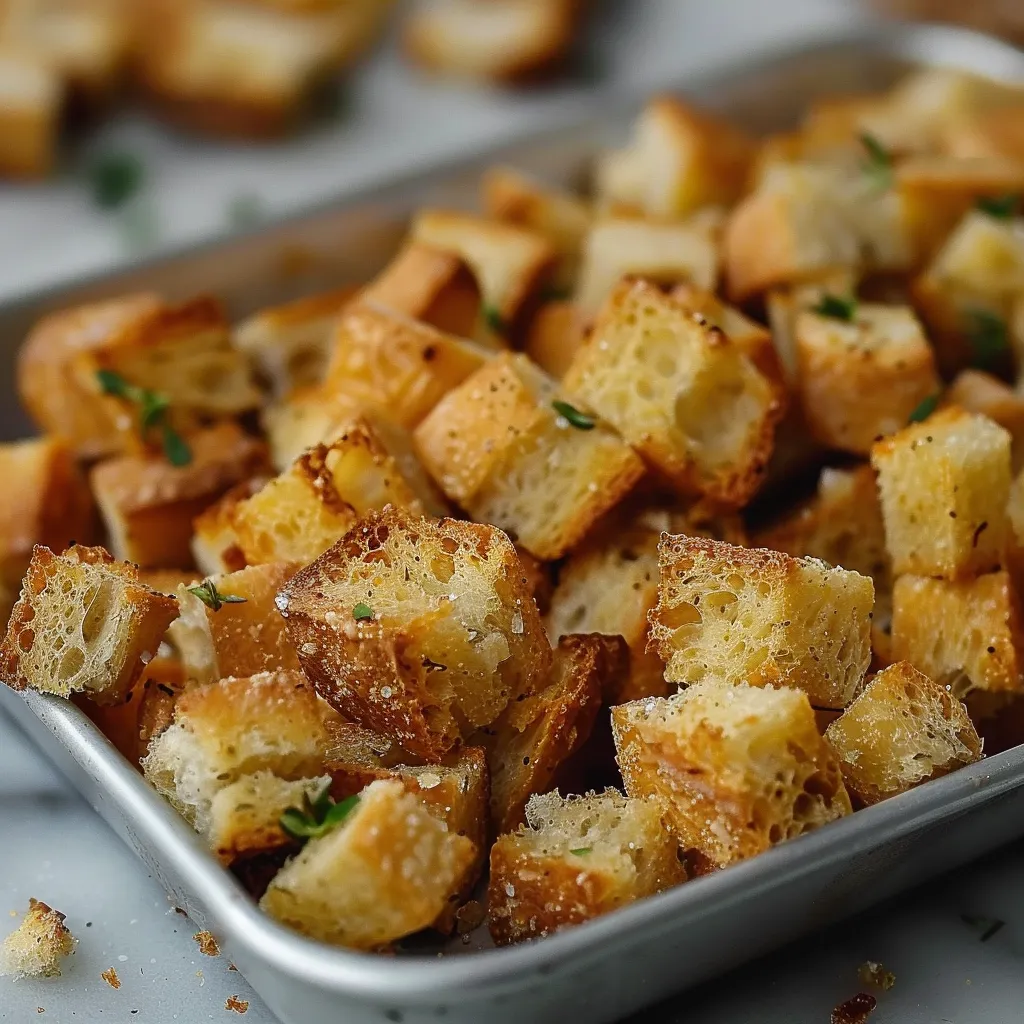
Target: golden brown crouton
x=678 y=160
x=576 y=858
x=270 y=722
x=901 y=731
x=861 y=379
x=386 y=871
x=996 y=134
x=148 y=505
x=680 y=392
x=510 y=448
x=31 y=100
x=740 y=768
x=306 y=417
x=554 y=336
x=35 y=948
x=501 y=41
x=986 y=395
x=744 y=615
x=214 y=541
x=430 y=285
x=966 y=635
x=944 y=486
x=419 y=629
x=83 y=624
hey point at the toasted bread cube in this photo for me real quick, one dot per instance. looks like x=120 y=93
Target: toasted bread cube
x=981 y=393
x=430 y=285
x=561 y=217
x=35 y=948
x=966 y=635
x=685 y=159
x=861 y=380
x=290 y=345
x=304 y=418
x=510 y=262
x=31 y=99
x=901 y=731
x=526 y=745
x=245 y=815
x=506 y=447
x=944 y=485
x=664 y=252
x=387 y=871
x=83 y=624
x=419 y=629
x=576 y=858
x=608 y=585
x=300 y=513
x=148 y=505
x=48 y=503
x=505 y=41
x=744 y=615
x=397 y=364
x=554 y=337
x=740 y=767
x=214 y=541
x=693 y=405
x=241 y=638
x=269 y=722
x=995 y=134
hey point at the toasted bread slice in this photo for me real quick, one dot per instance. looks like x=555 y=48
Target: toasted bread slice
x=37 y=946
x=31 y=101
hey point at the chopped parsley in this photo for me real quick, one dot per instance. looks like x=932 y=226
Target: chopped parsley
x=361 y=612
x=582 y=851
x=115 y=178
x=153 y=409
x=924 y=409
x=836 y=307
x=317 y=817
x=999 y=207
x=493 y=318
x=988 y=336
x=877 y=165
x=572 y=415
x=208 y=593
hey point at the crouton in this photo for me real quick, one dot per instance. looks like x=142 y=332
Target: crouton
x=693 y=405
x=684 y=159
x=561 y=217
x=554 y=337
x=529 y=741
x=48 y=503
x=576 y=858
x=510 y=263
x=860 y=379
x=608 y=585
x=740 y=768
x=730 y=614
x=290 y=345
x=944 y=485
x=37 y=946
x=902 y=730
x=83 y=624
x=214 y=541
x=304 y=418
x=386 y=871
x=996 y=134
x=419 y=629
x=966 y=635
x=148 y=504
x=618 y=246
x=270 y=722
x=31 y=100
x=512 y=449
x=982 y=393
x=236 y=630
x=429 y=285
x=245 y=815
x=506 y=41
x=404 y=367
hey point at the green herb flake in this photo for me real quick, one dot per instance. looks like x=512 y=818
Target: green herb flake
x=494 y=320
x=582 y=851
x=115 y=178
x=362 y=612
x=317 y=817
x=836 y=307
x=999 y=207
x=572 y=415
x=877 y=165
x=153 y=409
x=208 y=593
x=924 y=409
x=988 y=336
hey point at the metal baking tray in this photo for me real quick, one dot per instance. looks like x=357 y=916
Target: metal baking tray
x=608 y=968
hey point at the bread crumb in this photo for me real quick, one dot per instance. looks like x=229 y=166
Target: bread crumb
x=236 y=1004
x=35 y=947
x=470 y=916
x=874 y=974
x=855 y=1010
x=207 y=943
x=232 y=967
x=111 y=978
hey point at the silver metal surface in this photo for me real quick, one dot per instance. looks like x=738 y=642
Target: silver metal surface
x=607 y=968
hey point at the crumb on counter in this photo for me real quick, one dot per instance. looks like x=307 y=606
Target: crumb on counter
x=111 y=978
x=207 y=943
x=876 y=975
x=236 y=1004
x=36 y=946
x=855 y=1010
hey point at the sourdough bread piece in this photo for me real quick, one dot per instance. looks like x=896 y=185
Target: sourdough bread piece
x=37 y=946
x=422 y=630
x=83 y=624
x=387 y=871
x=727 y=614
x=576 y=858
x=901 y=731
x=740 y=768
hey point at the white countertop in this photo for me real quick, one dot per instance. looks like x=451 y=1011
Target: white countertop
x=54 y=848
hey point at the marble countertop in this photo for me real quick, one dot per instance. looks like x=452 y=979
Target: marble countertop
x=53 y=847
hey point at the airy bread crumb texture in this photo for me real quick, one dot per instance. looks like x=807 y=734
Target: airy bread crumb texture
x=575 y=858
x=37 y=946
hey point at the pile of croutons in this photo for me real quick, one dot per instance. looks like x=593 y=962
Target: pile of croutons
x=611 y=540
